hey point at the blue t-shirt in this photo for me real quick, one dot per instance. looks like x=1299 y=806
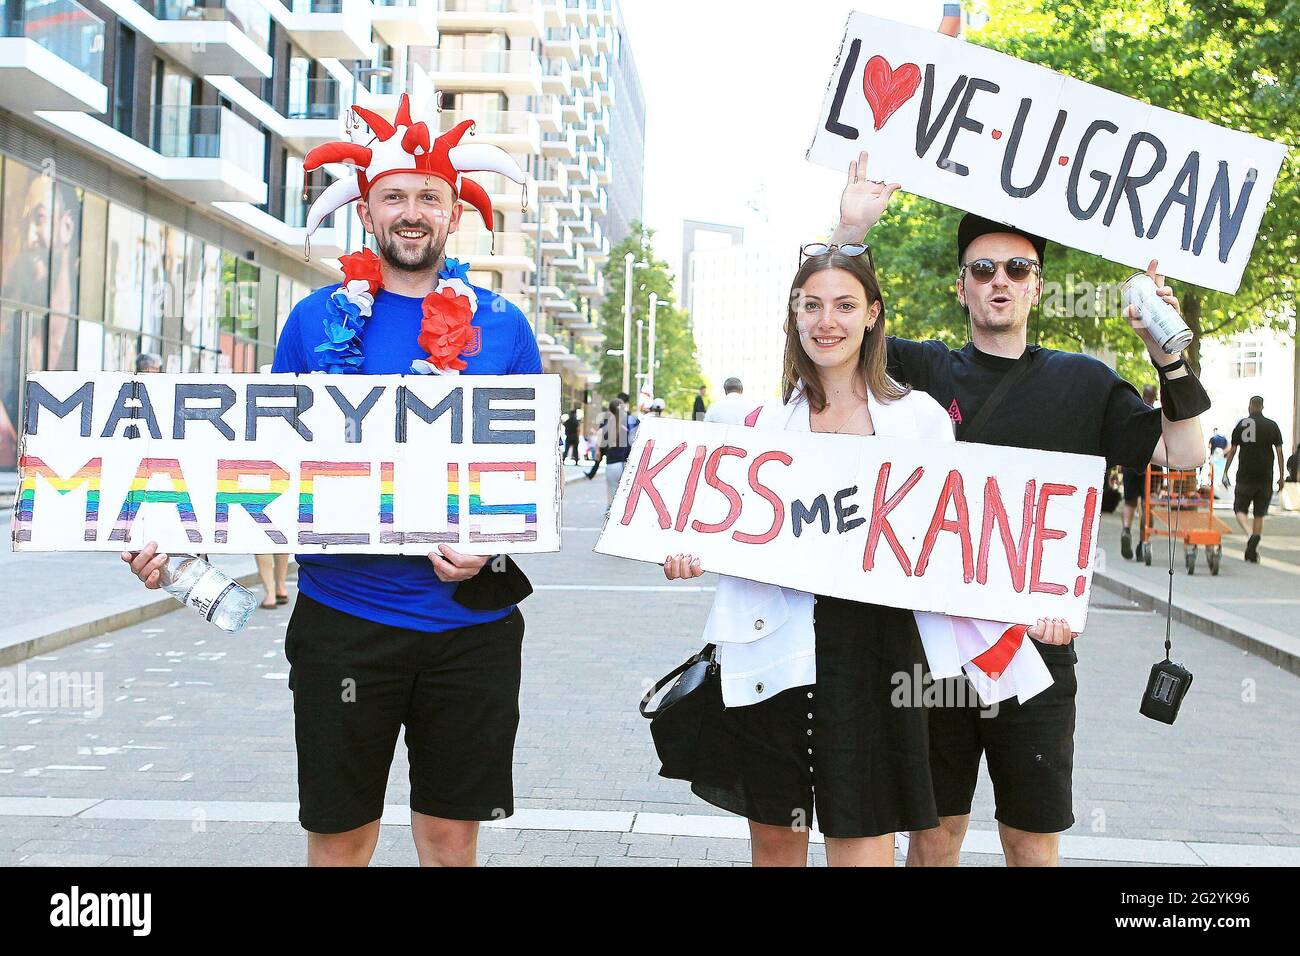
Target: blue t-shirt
x=400 y=590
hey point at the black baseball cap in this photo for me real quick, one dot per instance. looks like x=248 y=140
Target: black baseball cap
x=973 y=226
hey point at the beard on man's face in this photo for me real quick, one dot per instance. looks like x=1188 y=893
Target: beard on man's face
x=411 y=255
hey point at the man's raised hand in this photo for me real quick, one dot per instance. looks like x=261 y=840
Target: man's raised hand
x=863 y=202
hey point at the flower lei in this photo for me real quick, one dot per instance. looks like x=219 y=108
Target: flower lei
x=445 y=330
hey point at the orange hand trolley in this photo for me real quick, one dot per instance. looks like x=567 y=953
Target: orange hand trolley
x=1180 y=504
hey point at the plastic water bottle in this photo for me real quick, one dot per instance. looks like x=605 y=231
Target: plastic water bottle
x=210 y=591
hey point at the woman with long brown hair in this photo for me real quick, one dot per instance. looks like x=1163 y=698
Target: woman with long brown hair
x=807 y=722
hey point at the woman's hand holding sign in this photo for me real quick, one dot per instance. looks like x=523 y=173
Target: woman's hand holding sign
x=682 y=566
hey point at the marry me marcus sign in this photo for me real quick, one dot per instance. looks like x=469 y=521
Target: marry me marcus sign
x=982 y=531
x=1021 y=144
x=381 y=464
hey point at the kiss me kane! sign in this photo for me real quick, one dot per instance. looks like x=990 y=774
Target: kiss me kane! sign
x=983 y=531
x=1020 y=144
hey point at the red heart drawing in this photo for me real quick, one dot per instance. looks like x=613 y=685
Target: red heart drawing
x=886 y=88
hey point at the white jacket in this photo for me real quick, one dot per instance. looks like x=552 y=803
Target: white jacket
x=764 y=633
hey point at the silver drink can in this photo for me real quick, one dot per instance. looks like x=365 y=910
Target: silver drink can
x=1161 y=320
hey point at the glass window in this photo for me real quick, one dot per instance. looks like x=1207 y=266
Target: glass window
x=210 y=314
x=28 y=211
x=10 y=376
x=64 y=273
x=295 y=211
x=155 y=282
x=247 y=318
x=90 y=346
x=94 y=227
x=123 y=298
x=284 y=301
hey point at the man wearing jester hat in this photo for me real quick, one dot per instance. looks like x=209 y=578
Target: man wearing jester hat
x=393 y=628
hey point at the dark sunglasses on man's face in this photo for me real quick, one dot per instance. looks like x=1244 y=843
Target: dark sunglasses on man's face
x=1018 y=268
x=812 y=249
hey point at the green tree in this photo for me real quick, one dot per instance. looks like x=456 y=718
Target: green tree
x=677 y=375
x=1231 y=63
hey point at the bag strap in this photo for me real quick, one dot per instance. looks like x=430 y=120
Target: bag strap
x=706 y=654
x=974 y=430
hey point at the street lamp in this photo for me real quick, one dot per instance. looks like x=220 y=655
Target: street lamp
x=640 y=377
x=628 y=261
x=650 y=371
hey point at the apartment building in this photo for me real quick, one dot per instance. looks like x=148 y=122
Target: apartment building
x=152 y=195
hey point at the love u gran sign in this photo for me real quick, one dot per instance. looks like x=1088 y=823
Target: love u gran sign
x=1021 y=144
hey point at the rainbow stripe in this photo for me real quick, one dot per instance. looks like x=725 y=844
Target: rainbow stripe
x=311 y=470
x=231 y=491
x=139 y=494
x=418 y=537
x=476 y=506
x=31 y=468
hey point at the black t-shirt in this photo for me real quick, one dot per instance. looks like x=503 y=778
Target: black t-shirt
x=1064 y=402
x=1255 y=437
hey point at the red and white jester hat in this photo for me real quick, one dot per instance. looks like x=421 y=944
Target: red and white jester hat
x=403 y=146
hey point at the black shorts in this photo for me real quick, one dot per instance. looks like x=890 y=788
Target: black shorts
x=1134 y=485
x=1030 y=751
x=1248 y=492
x=356 y=683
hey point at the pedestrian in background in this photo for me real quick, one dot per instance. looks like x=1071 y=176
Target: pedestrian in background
x=698 y=412
x=273 y=569
x=1134 y=487
x=1260 y=441
x=732 y=408
x=572 y=422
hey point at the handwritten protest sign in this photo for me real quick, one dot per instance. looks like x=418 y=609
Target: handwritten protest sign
x=1021 y=144
x=1004 y=534
x=381 y=464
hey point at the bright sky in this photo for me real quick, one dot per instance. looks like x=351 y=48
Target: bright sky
x=733 y=92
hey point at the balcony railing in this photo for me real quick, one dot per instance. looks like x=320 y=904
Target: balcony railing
x=248 y=15
x=492 y=122
x=64 y=27
x=485 y=61
x=207 y=132
x=486 y=6
x=315 y=98
x=480 y=244
x=317 y=6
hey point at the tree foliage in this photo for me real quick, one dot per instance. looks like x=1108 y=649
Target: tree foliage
x=677 y=374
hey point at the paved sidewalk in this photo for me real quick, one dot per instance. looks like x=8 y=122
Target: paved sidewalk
x=1251 y=605
x=191 y=761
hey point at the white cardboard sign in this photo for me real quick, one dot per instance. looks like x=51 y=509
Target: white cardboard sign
x=1022 y=144
x=982 y=531
x=378 y=464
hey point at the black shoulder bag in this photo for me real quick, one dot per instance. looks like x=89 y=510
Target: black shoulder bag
x=694 y=695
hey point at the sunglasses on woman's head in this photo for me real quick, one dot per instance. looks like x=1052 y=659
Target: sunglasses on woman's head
x=813 y=249
x=1018 y=268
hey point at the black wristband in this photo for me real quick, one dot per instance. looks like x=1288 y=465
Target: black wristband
x=1183 y=397
x=1163 y=370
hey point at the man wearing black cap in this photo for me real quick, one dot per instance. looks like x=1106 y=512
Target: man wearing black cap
x=1056 y=401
